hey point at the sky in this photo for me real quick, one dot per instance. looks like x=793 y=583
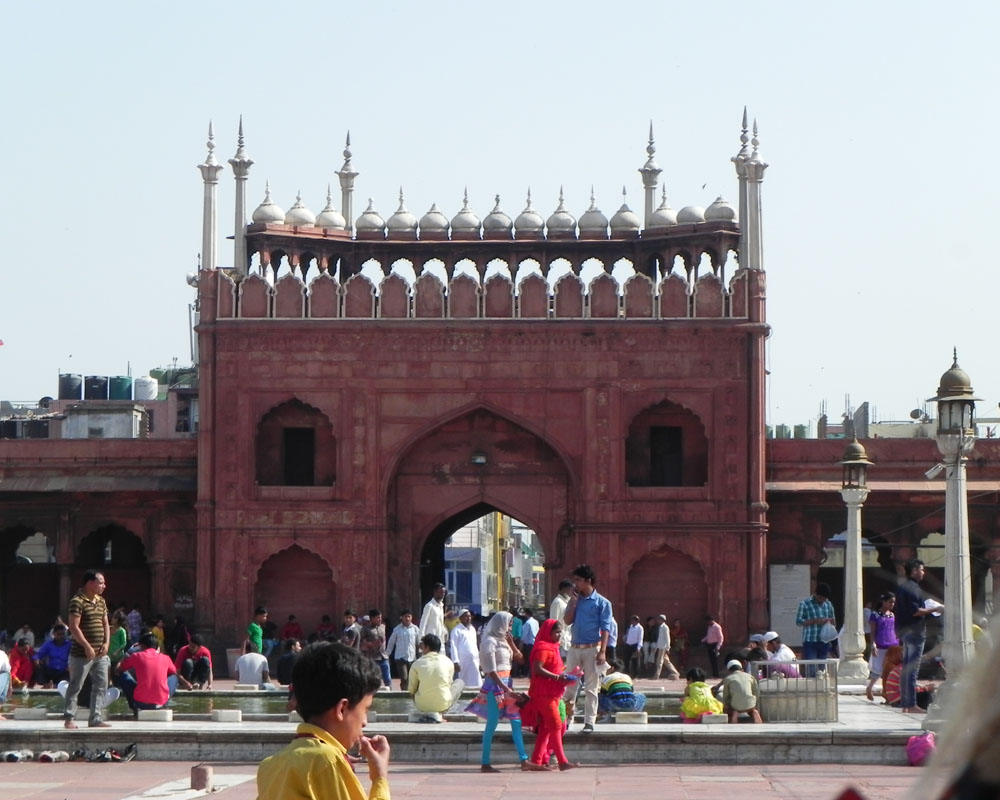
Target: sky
x=879 y=121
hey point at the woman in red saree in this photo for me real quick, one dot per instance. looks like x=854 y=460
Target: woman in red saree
x=548 y=682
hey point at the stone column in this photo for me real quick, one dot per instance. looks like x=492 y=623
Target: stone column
x=853 y=667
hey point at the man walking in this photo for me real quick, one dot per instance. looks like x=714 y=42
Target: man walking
x=589 y=613
x=402 y=646
x=529 y=630
x=814 y=612
x=633 y=646
x=713 y=640
x=91 y=634
x=557 y=610
x=465 y=651
x=663 y=651
x=432 y=619
x=911 y=628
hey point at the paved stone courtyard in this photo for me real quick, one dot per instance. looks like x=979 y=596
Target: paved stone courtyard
x=148 y=780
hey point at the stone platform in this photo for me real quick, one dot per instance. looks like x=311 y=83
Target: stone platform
x=864 y=734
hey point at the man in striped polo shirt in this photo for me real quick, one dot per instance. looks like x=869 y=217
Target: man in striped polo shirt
x=91 y=634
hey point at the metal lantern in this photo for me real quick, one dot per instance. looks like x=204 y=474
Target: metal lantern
x=855 y=465
x=956 y=404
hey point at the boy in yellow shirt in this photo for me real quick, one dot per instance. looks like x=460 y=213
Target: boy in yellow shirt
x=333 y=687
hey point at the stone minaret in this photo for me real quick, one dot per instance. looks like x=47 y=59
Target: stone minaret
x=210 y=175
x=650 y=178
x=750 y=171
x=241 y=164
x=347 y=176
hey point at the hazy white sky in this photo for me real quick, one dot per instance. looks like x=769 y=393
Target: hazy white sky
x=879 y=120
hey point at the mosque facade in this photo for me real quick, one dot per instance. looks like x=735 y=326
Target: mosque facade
x=600 y=379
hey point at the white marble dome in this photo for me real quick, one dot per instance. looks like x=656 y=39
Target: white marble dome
x=690 y=215
x=299 y=215
x=593 y=224
x=529 y=223
x=434 y=224
x=664 y=216
x=329 y=217
x=465 y=224
x=370 y=221
x=497 y=224
x=625 y=222
x=268 y=212
x=720 y=211
x=402 y=224
x=561 y=224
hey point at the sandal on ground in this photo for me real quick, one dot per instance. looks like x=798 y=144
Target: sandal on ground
x=531 y=766
x=568 y=765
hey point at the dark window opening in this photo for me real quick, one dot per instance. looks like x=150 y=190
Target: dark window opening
x=666 y=456
x=295 y=447
x=666 y=446
x=299 y=456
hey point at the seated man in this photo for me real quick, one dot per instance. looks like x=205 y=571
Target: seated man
x=52 y=659
x=251 y=668
x=194 y=664
x=292 y=649
x=430 y=682
x=147 y=678
x=21 y=667
x=618 y=693
x=740 y=693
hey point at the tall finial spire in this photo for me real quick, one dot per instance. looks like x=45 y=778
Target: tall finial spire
x=750 y=170
x=241 y=164
x=650 y=177
x=954 y=358
x=347 y=174
x=210 y=176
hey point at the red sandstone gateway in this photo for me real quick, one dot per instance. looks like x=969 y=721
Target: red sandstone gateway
x=349 y=421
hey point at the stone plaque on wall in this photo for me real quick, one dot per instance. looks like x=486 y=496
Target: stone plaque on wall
x=789 y=586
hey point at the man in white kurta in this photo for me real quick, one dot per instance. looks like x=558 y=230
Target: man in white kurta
x=465 y=650
x=432 y=618
x=557 y=610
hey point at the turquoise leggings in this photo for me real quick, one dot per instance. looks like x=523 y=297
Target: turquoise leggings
x=492 y=718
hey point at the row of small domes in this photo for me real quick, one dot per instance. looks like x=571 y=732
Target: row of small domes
x=529 y=223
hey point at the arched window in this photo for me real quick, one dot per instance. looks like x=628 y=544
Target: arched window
x=666 y=446
x=296 y=447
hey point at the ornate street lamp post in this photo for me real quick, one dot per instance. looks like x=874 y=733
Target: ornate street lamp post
x=956 y=435
x=854 y=490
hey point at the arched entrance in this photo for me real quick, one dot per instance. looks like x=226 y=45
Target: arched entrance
x=29 y=579
x=296 y=581
x=121 y=556
x=671 y=583
x=487 y=560
x=474 y=463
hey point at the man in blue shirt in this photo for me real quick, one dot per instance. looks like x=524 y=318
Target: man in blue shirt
x=590 y=615
x=52 y=659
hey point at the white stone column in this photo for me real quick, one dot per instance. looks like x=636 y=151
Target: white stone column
x=853 y=667
x=958 y=647
x=210 y=175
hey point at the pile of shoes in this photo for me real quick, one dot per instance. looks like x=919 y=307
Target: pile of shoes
x=51 y=756
x=110 y=754
x=14 y=756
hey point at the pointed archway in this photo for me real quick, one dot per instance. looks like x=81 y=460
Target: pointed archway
x=29 y=578
x=469 y=464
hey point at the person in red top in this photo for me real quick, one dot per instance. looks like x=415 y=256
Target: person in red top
x=194 y=664
x=548 y=682
x=292 y=629
x=148 y=678
x=22 y=670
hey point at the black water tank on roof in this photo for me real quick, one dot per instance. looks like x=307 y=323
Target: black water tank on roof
x=70 y=387
x=95 y=387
